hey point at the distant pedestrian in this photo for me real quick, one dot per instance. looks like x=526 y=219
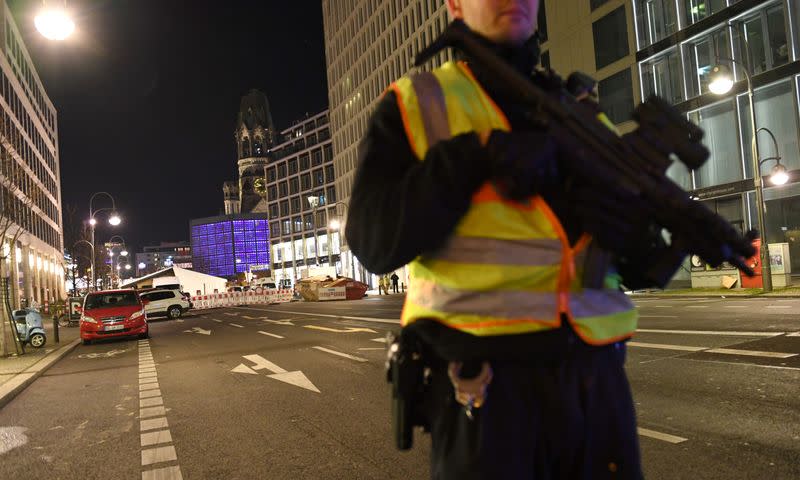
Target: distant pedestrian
x=385 y=283
x=395 y=279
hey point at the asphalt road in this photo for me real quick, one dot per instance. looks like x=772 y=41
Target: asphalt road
x=298 y=391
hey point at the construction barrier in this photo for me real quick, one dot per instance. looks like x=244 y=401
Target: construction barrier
x=257 y=296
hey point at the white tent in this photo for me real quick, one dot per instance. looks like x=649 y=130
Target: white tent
x=189 y=281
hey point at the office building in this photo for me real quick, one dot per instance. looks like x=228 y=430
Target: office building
x=163 y=255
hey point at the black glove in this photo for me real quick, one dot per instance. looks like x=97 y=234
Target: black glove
x=523 y=163
x=617 y=219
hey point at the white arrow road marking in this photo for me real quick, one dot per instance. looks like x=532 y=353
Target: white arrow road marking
x=262 y=363
x=236 y=325
x=279 y=322
x=334 y=352
x=269 y=334
x=242 y=368
x=251 y=318
x=666 y=347
x=199 y=330
x=296 y=378
x=379 y=340
x=795 y=334
x=660 y=436
x=336 y=330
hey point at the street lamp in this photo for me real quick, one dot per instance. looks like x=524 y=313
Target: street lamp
x=313 y=200
x=113 y=219
x=111 y=245
x=54 y=23
x=720 y=83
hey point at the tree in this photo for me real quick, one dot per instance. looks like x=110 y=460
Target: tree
x=16 y=215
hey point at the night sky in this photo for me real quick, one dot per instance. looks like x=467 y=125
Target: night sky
x=147 y=93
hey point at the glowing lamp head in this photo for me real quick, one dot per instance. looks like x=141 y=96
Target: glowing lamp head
x=779 y=175
x=720 y=80
x=114 y=219
x=54 y=24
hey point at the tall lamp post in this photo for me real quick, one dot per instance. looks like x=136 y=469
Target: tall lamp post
x=91 y=245
x=720 y=82
x=313 y=200
x=338 y=225
x=113 y=220
x=116 y=241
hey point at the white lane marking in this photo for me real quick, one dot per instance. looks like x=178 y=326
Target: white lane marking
x=148 y=412
x=734 y=306
x=158 y=455
x=660 y=436
x=231 y=314
x=697 y=306
x=739 y=364
x=154 y=438
x=236 y=325
x=148 y=380
x=147 y=375
x=666 y=347
x=795 y=334
x=151 y=402
x=663 y=306
x=150 y=393
x=379 y=340
x=658 y=316
x=338 y=330
x=334 y=352
x=262 y=363
x=269 y=334
x=711 y=332
x=368 y=319
x=373 y=348
x=218 y=321
x=751 y=353
x=779 y=306
x=279 y=322
x=166 y=473
x=153 y=423
x=148 y=386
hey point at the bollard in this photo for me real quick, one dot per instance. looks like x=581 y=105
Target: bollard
x=403 y=287
x=55 y=328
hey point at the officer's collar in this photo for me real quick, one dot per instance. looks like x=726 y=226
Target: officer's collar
x=523 y=58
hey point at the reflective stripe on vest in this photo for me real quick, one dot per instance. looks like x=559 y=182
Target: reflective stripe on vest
x=508 y=268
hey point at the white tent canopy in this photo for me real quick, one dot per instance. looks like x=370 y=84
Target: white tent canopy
x=194 y=283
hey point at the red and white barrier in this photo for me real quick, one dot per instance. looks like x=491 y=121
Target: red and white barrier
x=258 y=296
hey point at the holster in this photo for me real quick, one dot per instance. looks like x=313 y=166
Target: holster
x=406 y=372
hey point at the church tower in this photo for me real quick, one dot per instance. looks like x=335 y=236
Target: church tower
x=255 y=135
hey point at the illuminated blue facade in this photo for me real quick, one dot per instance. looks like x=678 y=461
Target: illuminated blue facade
x=226 y=245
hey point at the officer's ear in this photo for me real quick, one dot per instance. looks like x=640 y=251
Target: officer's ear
x=454 y=8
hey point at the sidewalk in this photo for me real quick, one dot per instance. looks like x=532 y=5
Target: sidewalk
x=17 y=372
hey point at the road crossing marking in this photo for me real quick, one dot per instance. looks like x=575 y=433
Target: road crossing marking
x=236 y=325
x=751 y=353
x=153 y=426
x=269 y=334
x=660 y=436
x=334 y=352
x=723 y=351
x=711 y=332
x=663 y=346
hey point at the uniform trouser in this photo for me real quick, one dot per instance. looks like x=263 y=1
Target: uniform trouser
x=567 y=419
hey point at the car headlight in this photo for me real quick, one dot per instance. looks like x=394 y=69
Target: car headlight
x=137 y=314
x=88 y=319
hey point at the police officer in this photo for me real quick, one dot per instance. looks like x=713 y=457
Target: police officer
x=461 y=183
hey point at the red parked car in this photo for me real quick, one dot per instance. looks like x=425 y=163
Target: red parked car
x=113 y=313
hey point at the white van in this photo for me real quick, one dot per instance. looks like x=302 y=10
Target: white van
x=265 y=282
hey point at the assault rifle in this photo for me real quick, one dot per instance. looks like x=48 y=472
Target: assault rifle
x=635 y=163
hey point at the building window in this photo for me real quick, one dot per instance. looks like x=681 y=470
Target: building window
x=282 y=189
x=275 y=229
x=304 y=162
x=245 y=147
x=287 y=227
x=662 y=76
x=305 y=181
x=616 y=96
x=329 y=173
x=610 y=38
x=294 y=185
x=273 y=210
x=725 y=164
x=292 y=166
x=284 y=208
x=655 y=19
x=331 y=195
x=697 y=10
x=271 y=174
x=701 y=55
x=319 y=178
x=295 y=204
x=765 y=32
x=282 y=170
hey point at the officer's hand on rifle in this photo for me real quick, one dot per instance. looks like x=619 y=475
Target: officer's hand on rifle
x=523 y=163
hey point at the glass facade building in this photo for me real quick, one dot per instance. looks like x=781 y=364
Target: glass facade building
x=678 y=43
x=227 y=245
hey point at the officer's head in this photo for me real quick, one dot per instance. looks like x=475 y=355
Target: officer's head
x=510 y=22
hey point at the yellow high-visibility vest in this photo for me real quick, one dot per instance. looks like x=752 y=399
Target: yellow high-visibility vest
x=508 y=268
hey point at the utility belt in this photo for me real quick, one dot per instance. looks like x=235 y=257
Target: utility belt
x=411 y=362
